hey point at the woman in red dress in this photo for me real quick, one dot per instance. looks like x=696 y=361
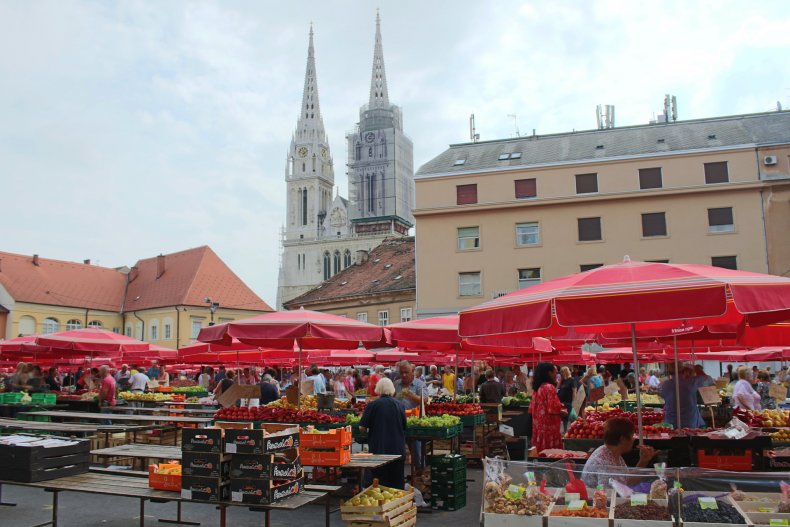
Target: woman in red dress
x=546 y=409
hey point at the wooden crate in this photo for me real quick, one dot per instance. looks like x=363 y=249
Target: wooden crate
x=352 y=512
x=401 y=516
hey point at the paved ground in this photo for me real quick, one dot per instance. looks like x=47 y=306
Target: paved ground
x=90 y=510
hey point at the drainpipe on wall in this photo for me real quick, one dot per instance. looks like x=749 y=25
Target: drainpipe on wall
x=86 y=317
x=142 y=337
x=178 y=328
x=762 y=211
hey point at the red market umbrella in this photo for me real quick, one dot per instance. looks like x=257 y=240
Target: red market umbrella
x=770 y=335
x=436 y=333
x=623 y=296
x=395 y=355
x=91 y=340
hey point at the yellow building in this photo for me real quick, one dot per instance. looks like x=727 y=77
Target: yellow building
x=497 y=216
x=164 y=300
x=379 y=288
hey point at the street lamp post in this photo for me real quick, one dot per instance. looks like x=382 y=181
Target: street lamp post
x=212 y=307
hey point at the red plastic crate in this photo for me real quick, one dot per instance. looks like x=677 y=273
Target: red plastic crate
x=326 y=458
x=336 y=438
x=734 y=462
x=163 y=481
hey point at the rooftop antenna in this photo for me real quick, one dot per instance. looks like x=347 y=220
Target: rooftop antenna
x=515 y=123
x=474 y=137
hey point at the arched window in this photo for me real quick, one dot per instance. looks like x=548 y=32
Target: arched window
x=290 y=166
x=27 y=325
x=304 y=168
x=128 y=331
x=313 y=162
x=304 y=207
x=51 y=325
x=359 y=152
x=346 y=258
x=167 y=328
x=327 y=268
x=153 y=330
x=337 y=262
x=299 y=205
x=370 y=151
x=95 y=324
x=138 y=331
x=372 y=193
x=383 y=150
x=73 y=324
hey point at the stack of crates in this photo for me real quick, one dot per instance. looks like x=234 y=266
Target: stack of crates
x=448 y=482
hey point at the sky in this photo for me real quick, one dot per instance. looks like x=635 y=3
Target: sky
x=134 y=128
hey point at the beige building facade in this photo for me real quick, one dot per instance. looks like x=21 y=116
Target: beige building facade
x=497 y=216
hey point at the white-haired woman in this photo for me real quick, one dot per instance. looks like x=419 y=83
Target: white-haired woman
x=385 y=422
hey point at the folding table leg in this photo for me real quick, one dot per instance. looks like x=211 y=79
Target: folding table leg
x=142 y=512
x=178 y=520
x=1 y=498
x=268 y=518
x=222 y=516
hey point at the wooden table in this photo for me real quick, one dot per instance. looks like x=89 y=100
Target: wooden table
x=74 y=429
x=145 y=410
x=91 y=416
x=172 y=403
x=113 y=485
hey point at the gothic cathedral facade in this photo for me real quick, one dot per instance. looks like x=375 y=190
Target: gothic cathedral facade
x=323 y=233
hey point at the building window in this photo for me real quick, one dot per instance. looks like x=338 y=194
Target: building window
x=27 y=325
x=304 y=207
x=336 y=261
x=657 y=261
x=527 y=234
x=167 y=333
x=468 y=238
x=51 y=325
x=358 y=151
x=720 y=220
x=716 y=173
x=586 y=183
x=650 y=178
x=654 y=224
x=465 y=194
x=589 y=229
x=116 y=330
x=526 y=188
x=73 y=324
x=528 y=277
x=589 y=267
x=154 y=330
x=128 y=331
x=469 y=284
x=138 y=331
x=95 y=324
x=346 y=258
x=362 y=317
x=459 y=162
x=384 y=318
x=327 y=264
x=197 y=324
x=405 y=314
x=727 y=262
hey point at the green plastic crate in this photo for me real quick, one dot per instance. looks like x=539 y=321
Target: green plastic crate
x=44 y=398
x=448 y=504
x=450 y=461
x=449 y=477
x=449 y=492
x=11 y=397
x=473 y=420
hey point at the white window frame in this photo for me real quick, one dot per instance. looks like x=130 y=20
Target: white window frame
x=50 y=325
x=527 y=282
x=128 y=331
x=154 y=332
x=462 y=240
x=525 y=236
x=470 y=287
x=384 y=317
x=195 y=320
x=72 y=324
x=95 y=324
x=405 y=314
x=167 y=331
x=362 y=316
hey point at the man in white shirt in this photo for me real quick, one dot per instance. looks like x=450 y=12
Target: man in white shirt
x=319 y=382
x=653 y=381
x=138 y=381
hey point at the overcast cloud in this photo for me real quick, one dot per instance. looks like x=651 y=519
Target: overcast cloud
x=133 y=128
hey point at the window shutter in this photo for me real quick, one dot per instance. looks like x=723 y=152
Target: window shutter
x=727 y=262
x=650 y=178
x=716 y=173
x=654 y=224
x=526 y=188
x=586 y=183
x=466 y=194
x=589 y=229
x=720 y=216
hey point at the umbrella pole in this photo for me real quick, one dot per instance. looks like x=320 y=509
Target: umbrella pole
x=455 y=383
x=638 y=395
x=299 y=392
x=677 y=382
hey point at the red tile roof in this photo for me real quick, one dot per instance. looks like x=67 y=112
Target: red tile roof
x=189 y=276
x=59 y=283
x=389 y=268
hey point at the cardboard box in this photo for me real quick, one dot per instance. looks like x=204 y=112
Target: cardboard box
x=261 y=492
x=202 y=439
x=239 y=391
x=268 y=439
x=285 y=466
x=205 y=489
x=205 y=464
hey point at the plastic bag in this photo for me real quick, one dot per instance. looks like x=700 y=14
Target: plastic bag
x=572 y=416
x=418 y=499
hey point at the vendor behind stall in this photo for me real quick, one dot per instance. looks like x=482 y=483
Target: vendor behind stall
x=607 y=460
x=688 y=384
x=385 y=422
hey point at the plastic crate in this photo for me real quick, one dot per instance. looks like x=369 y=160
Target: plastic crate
x=448 y=504
x=740 y=462
x=11 y=398
x=450 y=477
x=473 y=420
x=452 y=461
x=337 y=437
x=44 y=398
x=441 y=433
x=448 y=491
x=324 y=458
x=170 y=482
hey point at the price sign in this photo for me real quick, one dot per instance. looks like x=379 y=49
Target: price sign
x=777 y=391
x=638 y=499
x=708 y=503
x=710 y=395
x=765 y=509
x=576 y=505
x=578 y=401
x=777 y=522
x=572 y=496
x=596 y=394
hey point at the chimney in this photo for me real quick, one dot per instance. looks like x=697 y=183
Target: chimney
x=87 y=261
x=160 y=266
x=362 y=257
x=35 y=260
x=133 y=272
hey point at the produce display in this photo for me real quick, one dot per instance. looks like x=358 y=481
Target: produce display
x=724 y=513
x=615 y=398
x=189 y=389
x=182 y=383
x=434 y=421
x=376 y=495
x=520 y=399
x=307 y=402
x=586 y=512
x=353 y=419
x=148 y=397
x=453 y=409
x=649 y=511
x=466 y=399
x=560 y=453
x=759 y=418
x=591 y=425
x=78 y=396
x=275 y=415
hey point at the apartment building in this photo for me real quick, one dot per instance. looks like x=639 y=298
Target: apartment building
x=496 y=216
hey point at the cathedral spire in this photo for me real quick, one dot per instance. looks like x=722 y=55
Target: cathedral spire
x=310 y=116
x=378 y=81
